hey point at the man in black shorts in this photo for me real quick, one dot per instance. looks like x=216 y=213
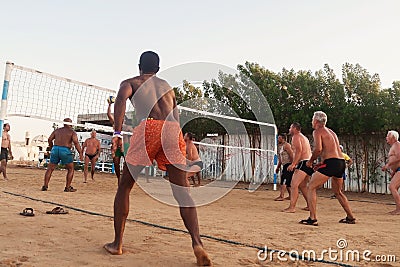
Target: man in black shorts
x=326 y=145
x=285 y=155
x=301 y=153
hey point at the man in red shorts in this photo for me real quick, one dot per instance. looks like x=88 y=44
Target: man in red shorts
x=157 y=137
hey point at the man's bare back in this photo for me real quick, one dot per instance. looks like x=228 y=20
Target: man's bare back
x=63 y=137
x=329 y=142
x=191 y=152
x=152 y=97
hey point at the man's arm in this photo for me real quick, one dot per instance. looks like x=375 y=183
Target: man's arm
x=51 y=139
x=176 y=111
x=288 y=149
x=317 y=147
x=109 y=115
x=125 y=91
x=9 y=145
x=77 y=145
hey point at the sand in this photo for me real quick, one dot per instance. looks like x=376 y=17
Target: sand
x=77 y=239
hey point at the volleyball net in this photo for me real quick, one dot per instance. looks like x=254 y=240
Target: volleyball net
x=235 y=155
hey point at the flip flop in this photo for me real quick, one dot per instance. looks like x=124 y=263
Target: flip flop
x=27 y=212
x=57 y=210
x=309 y=221
x=348 y=220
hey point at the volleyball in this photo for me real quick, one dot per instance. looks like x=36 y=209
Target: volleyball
x=111 y=99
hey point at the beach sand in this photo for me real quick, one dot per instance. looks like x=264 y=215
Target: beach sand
x=77 y=239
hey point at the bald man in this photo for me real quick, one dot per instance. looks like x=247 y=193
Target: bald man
x=326 y=146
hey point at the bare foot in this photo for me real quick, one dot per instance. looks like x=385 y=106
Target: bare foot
x=113 y=249
x=278 y=198
x=287 y=198
x=201 y=256
x=395 y=212
x=289 y=210
x=306 y=209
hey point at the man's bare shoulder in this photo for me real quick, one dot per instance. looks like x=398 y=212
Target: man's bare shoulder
x=396 y=146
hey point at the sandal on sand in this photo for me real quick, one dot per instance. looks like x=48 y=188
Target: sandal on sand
x=69 y=189
x=27 y=212
x=309 y=221
x=348 y=220
x=44 y=188
x=57 y=210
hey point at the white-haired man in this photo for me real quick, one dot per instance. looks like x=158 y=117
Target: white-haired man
x=326 y=146
x=393 y=164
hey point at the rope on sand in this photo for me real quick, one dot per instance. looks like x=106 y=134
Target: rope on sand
x=222 y=240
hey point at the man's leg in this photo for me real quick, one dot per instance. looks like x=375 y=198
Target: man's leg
x=121 y=207
x=394 y=189
x=4 y=168
x=70 y=174
x=117 y=167
x=47 y=175
x=282 y=190
x=92 y=167
x=317 y=179
x=337 y=185
x=303 y=189
x=180 y=190
x=298 y=178
x=199 y=177
x=85 y=168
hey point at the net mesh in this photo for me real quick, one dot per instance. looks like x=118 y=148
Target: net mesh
x=45 y=96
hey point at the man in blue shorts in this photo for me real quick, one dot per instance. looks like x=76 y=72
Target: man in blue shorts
x=61 y=152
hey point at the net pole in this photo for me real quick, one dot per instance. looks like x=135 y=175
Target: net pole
x=275 y=157
x=6 y=84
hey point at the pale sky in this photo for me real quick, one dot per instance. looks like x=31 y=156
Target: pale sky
x=99 y=42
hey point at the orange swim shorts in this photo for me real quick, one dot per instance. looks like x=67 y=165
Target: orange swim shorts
x=157 y=140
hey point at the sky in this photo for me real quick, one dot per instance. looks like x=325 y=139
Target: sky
x=99 y=42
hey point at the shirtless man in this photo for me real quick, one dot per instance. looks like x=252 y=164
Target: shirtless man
x=91 y=147
x=301 y=154
x=195 y=165
x=393 y=165
x=326 y=146
x=159 y=137
x=285 y=156
x=63 y=139
x=5 y=150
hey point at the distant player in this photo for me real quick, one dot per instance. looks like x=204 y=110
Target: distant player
x=5 y=150
x=285 y=156
x=393 y=165
x=326 y=146
x=91 y=148
x=195 y=165
x=157 y=137
x=60 y=143
x=302 y=172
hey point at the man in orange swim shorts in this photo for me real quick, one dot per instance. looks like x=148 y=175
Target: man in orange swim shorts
x=157 y=137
